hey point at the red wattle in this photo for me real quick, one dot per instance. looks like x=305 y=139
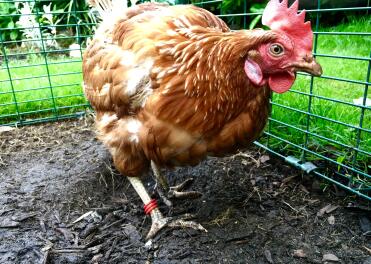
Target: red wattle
x=281 y=82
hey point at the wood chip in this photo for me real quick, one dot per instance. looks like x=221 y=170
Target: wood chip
x=42 y=225
x=330 y=257
x=82 y=217
x=299 y=253
x=68 y=236
x=327 y=209
x=7 y=223
x=268 y=256
x=302 y=188
x=367 y=249
x=288 y=179
x=6 y=128
x=22 y=217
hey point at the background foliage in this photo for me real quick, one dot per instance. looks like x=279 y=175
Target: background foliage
x=9 y=21
x=65 y=19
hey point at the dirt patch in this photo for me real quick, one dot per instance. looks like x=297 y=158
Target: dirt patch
x=256 y=210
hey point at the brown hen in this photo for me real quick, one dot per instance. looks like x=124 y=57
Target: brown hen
x=173 y=84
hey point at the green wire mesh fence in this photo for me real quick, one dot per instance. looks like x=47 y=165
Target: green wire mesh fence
x=322 y=125
x=40 y=75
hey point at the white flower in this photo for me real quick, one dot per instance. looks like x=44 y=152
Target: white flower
x=48 y=13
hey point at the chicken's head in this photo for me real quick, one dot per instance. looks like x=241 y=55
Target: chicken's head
x=291 y=50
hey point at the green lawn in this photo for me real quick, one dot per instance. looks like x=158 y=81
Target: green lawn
x=32 y=89
x=34 y=96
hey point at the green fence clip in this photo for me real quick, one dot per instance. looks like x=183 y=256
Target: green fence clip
x=307 y=166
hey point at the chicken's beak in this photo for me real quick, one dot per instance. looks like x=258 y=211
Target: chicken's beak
x=308 y=65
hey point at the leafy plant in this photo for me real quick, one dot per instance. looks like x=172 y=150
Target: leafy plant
x=8 y=21
x=256 y=8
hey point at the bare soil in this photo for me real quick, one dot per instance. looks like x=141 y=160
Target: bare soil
x=256 y=210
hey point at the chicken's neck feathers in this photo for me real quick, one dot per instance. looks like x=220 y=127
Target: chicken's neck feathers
x=215 y=81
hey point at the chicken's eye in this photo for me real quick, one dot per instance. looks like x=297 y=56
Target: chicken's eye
x=276 y=50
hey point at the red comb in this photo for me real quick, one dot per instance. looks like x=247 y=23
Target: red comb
x=279 y=17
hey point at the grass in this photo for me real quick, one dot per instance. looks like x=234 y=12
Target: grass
x=34 y=97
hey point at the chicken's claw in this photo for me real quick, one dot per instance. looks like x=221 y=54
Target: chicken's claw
x=177 y=191
x=161 y=222
x=162 y=187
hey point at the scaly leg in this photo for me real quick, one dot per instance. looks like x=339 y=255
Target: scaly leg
x=175 y=191
x=158 y=220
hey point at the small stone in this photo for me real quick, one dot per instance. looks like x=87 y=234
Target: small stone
x=97 y=258
x=264 y=158
x=148 y=244
x=331 y=220
x=299 y=253
x=330 y=257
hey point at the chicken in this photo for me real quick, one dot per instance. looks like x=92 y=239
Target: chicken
x=172 y=85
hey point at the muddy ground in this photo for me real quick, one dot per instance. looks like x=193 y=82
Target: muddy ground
x=255 y=210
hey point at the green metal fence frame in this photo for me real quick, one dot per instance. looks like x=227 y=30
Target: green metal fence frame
x=56 y=113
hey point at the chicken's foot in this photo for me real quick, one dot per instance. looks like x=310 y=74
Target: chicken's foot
x=158 y=220
x=162 y=187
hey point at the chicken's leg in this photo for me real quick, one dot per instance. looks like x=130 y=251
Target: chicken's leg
x=175 y=191
x=158 y=220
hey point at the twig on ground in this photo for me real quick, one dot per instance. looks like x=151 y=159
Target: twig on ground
x=290 y=206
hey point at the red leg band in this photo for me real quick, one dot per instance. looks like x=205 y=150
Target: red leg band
x=150 y=206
